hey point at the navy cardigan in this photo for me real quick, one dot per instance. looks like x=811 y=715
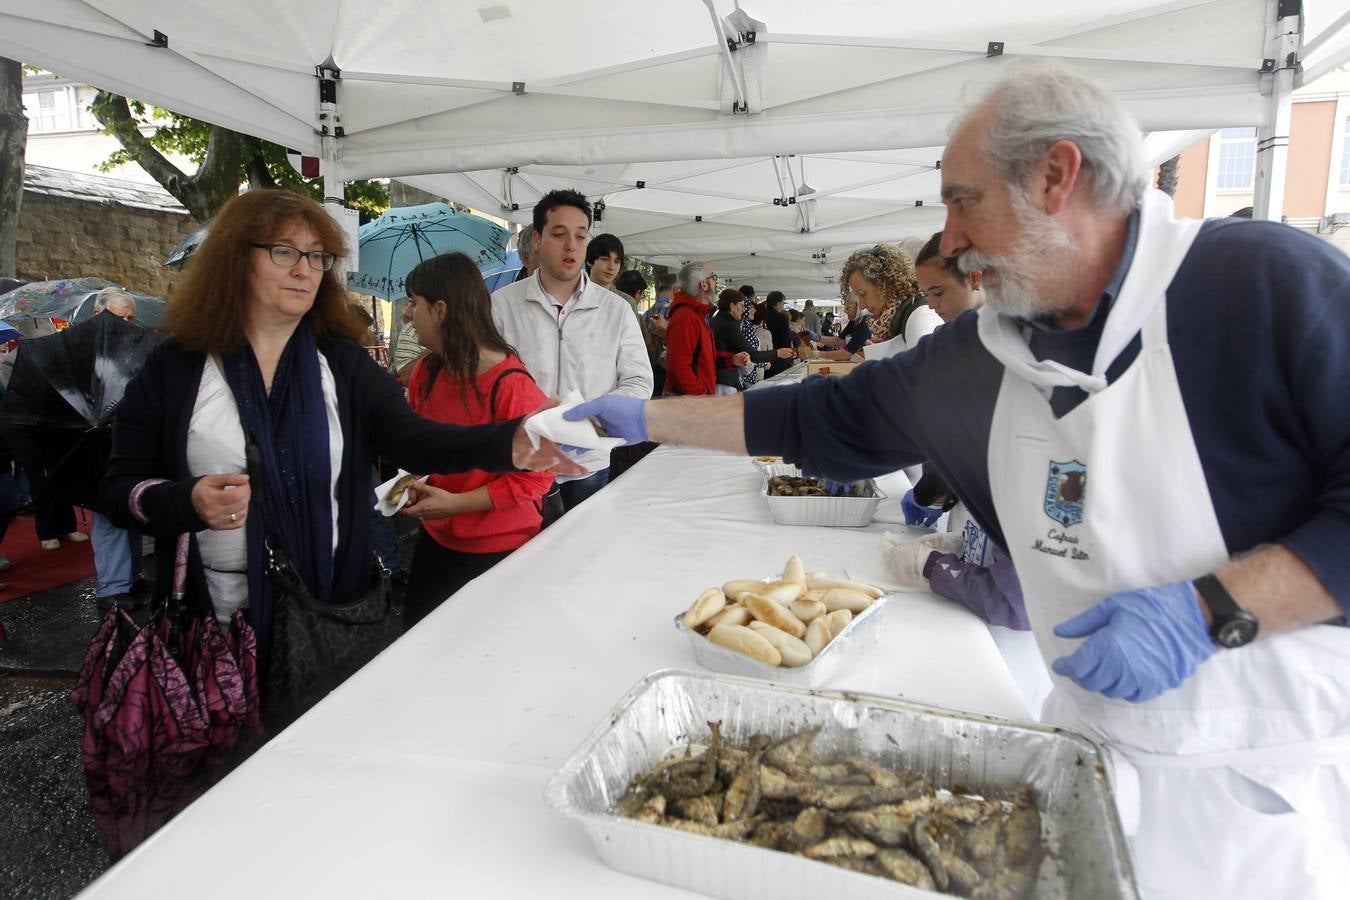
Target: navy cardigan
x=150 y=441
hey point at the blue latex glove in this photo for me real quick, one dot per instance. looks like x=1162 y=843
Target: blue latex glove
x=620 y=416
x=837 y=488
x=916 y=513
x=1139 y=643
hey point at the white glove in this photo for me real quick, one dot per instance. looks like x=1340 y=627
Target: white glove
x=905 y=559
x=944 y=542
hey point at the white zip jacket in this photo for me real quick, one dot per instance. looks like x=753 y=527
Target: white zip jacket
x=596 y=348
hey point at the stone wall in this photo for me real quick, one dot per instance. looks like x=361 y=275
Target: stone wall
x=62 y=237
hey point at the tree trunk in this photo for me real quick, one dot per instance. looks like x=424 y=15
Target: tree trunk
x=13 y=146
x=1168 y=176
x=216 y=180
x=258 y=174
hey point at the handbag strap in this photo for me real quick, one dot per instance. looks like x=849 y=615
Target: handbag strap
x=278 y=562
x=492 y=395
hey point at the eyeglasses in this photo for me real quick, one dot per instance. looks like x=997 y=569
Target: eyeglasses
x=286 y=256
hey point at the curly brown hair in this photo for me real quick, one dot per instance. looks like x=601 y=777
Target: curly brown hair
x=208 y=310
x=886 y=266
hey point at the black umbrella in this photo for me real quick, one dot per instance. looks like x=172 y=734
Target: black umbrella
x=57 y=412
x=187 y=247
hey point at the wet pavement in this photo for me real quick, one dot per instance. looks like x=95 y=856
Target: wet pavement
x=49 y=843
x=51 y=847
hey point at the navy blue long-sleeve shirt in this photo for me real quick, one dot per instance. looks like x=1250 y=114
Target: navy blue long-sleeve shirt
x=1258 y=319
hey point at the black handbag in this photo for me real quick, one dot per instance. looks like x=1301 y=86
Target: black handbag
x=314 y=646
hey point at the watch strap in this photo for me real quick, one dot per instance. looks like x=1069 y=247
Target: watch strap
x=1230 y=625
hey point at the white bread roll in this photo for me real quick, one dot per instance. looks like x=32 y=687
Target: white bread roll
x=743 y=640
x=709 y=603
x=817 y=635
x=794 y=651
x=775 y=614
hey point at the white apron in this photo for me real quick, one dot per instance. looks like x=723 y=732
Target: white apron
x=1238 y=782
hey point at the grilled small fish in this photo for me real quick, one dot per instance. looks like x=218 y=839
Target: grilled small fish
x=851 y=796
x=792 y=754
x=653 y=810
x=743 y=795
x=933 y=844
x=703 y=809
x=971 y=810
x=886 y=829
x=732 y=830
x=899 y=865
x=841 y=845
x=810 y=824
x=1024 y=831
x=694 y=777
x=394 y=496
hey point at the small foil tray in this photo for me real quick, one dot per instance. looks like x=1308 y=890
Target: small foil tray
x=665 y=711
x=863 y=630
x=829 y=511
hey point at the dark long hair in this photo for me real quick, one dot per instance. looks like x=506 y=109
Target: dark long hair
x=209 y=308
x=468 y=327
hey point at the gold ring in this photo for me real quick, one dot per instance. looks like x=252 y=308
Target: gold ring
x=234 y=517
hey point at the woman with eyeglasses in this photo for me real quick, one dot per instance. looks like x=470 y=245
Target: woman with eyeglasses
x=264 y=351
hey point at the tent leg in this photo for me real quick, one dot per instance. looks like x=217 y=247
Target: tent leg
x=1272 y=138
x=334 y=199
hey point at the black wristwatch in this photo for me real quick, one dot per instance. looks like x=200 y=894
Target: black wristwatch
x=1232 y=626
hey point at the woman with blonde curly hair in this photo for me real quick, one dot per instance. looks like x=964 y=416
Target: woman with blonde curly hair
x=882 y=278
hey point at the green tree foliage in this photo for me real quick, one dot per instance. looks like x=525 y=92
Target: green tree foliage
x=225 y=159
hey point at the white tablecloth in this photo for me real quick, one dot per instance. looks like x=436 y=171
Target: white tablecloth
x=423 y=775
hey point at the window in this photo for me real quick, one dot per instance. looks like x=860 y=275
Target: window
x=1237 y=159
x=52 y=109
x=1345 y=155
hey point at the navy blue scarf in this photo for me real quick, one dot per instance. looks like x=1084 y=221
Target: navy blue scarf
x=290 y=427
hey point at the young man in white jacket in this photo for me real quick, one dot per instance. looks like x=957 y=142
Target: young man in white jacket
x=572 y=334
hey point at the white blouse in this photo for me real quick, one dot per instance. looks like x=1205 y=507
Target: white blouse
x=215 y=446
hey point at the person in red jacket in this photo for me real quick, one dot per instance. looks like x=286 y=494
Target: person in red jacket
x=692 y=360
x=473 y=520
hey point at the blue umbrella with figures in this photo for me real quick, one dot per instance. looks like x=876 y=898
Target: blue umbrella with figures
x=502 y=275
x=401 y=238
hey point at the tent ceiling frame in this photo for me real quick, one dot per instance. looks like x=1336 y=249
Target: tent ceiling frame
x=973 y=51
x=495 y=90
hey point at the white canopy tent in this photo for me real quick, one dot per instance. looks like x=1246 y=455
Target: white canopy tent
x=786 y=222
x=861 y=93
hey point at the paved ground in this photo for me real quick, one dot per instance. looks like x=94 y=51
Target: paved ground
x=49 y=843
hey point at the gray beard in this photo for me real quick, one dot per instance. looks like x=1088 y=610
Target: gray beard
x=1011 y=278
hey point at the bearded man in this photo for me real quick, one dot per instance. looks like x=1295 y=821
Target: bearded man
x=1151 y=416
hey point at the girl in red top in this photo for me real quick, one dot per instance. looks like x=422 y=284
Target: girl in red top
x=473 y=520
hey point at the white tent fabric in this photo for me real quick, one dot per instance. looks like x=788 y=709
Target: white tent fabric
x=430 y=87
x=750 y=218
x=860 y=92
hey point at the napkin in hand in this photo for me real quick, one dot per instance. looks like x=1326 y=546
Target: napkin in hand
x=571 y=436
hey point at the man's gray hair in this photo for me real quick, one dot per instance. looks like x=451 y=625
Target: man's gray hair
x=690 y=275
x=114 y=295
x=1035 y=105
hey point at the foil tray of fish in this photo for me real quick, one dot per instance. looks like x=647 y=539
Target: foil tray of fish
x=807 y=507
x=742 y=789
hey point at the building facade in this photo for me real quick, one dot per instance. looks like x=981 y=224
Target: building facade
x=1216 y=175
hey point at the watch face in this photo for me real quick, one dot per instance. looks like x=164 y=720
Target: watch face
x=1237 y=633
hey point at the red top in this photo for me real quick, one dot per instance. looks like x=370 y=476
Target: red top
x=691 y=360
x=514 y=518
